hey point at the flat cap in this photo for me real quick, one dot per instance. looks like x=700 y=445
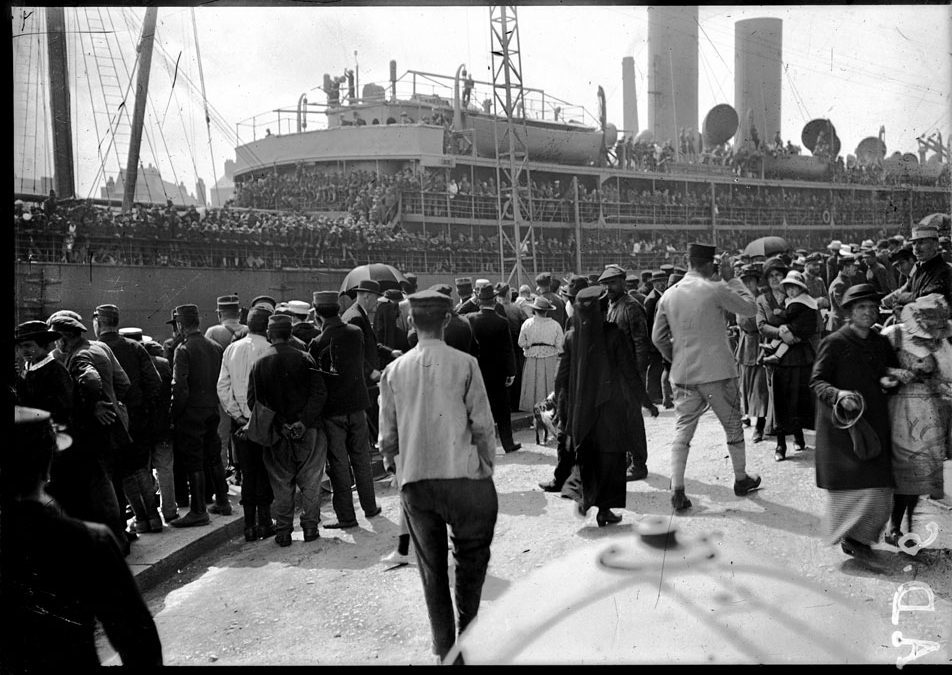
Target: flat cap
x=61 y=322
x=36 y=331
x=611 y=272
x=267 y=299
x=298 y=307
x=107 y=313
x=131 y=333
x=326 y=299
x=430 y=299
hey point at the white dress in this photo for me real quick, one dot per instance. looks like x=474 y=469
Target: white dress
x=541 y=341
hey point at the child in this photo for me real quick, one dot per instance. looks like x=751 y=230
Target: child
x=801 y=316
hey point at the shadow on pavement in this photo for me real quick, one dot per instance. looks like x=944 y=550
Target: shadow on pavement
x=529 y=503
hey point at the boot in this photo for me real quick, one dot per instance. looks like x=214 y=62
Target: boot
x=220 y=485
x=265 y=524
x=251 y=531
x=197 y=515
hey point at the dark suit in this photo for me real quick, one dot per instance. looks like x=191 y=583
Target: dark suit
x=558 y=308
x=305 y=332
x=516 y=317
x=195 y=367
x=655 y=360
x=496 y=363
x=458 y=334
x=376 y=355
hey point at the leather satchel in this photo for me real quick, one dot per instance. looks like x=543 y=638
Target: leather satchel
x=260 y=428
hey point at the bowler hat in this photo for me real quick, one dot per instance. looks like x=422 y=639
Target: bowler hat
x=131 y=333
x=541 y=304
x=859 y=292
x=108 y=313
x=36 y=331
x=267 y=299
x=574 y=284
x=298 y=307
x=701 y=251
x=368 y=286
x=611 y=272
x=227 y=302
x=393 y=295
x=430 y=299
x=440 y=288
x=486 y=293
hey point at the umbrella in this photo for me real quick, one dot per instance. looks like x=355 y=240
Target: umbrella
x=388 y=276
x=658 y=599
x=766 y=246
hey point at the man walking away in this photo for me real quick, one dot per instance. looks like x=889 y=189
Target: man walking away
x=195 y=367
x=286 y=380
x=339 y=354
x=436 y=422
x=690 y=330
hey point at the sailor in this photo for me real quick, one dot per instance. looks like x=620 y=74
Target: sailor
x=690 y=332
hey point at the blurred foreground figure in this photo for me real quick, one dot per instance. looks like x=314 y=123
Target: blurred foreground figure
x=60 y=575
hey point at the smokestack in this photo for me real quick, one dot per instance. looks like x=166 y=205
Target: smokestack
x=758 y=72
x=629 y=96
x=672 y=71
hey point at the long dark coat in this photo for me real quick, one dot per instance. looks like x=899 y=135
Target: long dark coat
x=846 y=361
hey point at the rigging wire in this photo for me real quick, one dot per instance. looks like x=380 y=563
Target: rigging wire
x=29 y=77
x=201 y=73
x=46 y=127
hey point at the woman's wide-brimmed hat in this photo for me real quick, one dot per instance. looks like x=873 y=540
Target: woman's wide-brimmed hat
x=775 y=263
x=930 y=308
x=860 y=292
x=794 y=278
x=541 y=304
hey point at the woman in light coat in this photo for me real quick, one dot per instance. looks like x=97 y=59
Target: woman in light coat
x=540 y=339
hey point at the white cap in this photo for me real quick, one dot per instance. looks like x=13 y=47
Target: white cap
x=298 y=307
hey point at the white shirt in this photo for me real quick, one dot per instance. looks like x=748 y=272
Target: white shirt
x=236 y=365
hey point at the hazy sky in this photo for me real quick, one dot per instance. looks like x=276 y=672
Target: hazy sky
x=861 y=66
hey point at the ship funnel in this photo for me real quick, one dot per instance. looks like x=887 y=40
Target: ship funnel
x=720 y=125
x=811 y=132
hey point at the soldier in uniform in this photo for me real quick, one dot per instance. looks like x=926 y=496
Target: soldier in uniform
x=132 y=469
x=629 y=315
x=464 y=289
x=497 y=362
x=690 y=331
x=339 y=354
x=162 y=429
x=227 y=330
x=60 y=575
x=458 y=333
x=232 y=388
x=196 y=364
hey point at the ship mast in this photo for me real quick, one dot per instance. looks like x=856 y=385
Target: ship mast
x=59 y=103
x=138 y=116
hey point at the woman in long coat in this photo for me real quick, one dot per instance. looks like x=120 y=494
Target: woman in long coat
x=598 y=384
x=854 y=359
x=921 y=410
x=753 y=377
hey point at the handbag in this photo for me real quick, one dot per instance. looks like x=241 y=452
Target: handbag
x=866 y=443
x=260 y=428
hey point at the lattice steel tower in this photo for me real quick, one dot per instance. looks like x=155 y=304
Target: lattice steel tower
x=512 y=151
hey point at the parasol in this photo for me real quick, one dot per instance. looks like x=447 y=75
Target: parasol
x=658 y=599
x=388 y=276
x=766 y=246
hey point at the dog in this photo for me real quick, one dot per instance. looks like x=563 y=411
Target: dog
x=545 y=419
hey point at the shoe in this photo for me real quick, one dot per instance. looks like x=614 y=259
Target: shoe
x=799 y=447
x=680 y=501
x=745 y=421
x=746 y=485
x=141 y=526
x=340 y=526
x=551 y=486
x=636 y=474
x=892 y=537
x=172 y=516
x=862 y=553
x=155 y=525
x=265 y=531
x=780 y=453
x=251 y=534
x=131 y=536
x=513 y=448
x=220 y=509
x=191 y=519
x=607 y=518
x=758 y=437
x=375 y=512
x=311 y=533
x=282 y=538
x=396 y=558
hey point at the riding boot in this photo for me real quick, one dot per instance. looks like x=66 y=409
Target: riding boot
x=220 y=486
x=198 y=513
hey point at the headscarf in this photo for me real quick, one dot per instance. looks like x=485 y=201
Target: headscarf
x=590 y=379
